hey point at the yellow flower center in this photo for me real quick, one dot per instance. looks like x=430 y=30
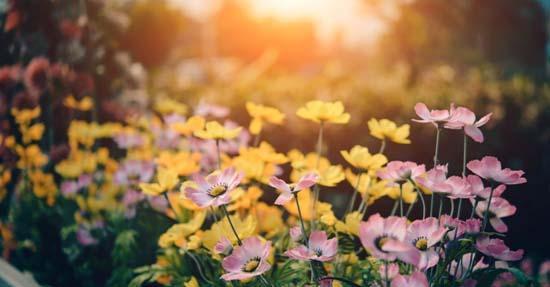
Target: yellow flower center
x=251 y=265
x=421 y=244
x=218 y=190
x=381 y=241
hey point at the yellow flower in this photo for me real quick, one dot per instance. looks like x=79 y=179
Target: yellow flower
x=381 y=189
x=166 y=106
x=320 y=112
x=191 y=283
x=261 y=114
x=32 y=133
x=25 y=116
x=184 y=163
x=306 y=206
x=351 y=223
x=245 y=228
x=167 y=180
x=359 y=157
x=364 y=181
x=215 y=130
x=30 y=156
x=243 y=200
x=176 y=235
x=328 y=218
x=85 y=104
x=329 y=175
x=264 y=152
x=43 y=186
x=8 y=141
x=192 y=125
x=270 y=219
x=5 y=177
x=386 y=129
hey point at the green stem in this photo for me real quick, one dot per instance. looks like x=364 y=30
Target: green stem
x=394 y=208
x=401 y=200
x=486 y=215
x=382 y=146
x=352 y=202
x=305 y=235
x=316 y=188
x=231 y=224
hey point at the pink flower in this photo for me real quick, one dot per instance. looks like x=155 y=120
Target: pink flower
x=460 y=227
x=431 y=116
x=399 y=171
x=384 y=238
x=424 y=234
x=215 y=189
x=393 y=270
x=464 y=118
x=464 y=264
x=223 y=246
x=481 y=191
x=287 y=190
x=133 y=172
x=126 y=140
x=204 y=109
x=460 y=187
x=435 y=180
x=499 y=208
x=416 y=279
x=70 y=187
x=497 y=249
x=319 y=248
x=489 y=167
x=37 y=75
x=248 y=260
x=296 y=233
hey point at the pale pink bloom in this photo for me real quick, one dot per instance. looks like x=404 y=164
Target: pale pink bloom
x=165 y=138
x=296 y=233
x=435 y=180
x=158 y=203
x=215 y=189
x=173 y=118
x=319 y=248
x=460 y=187
x=497 y=249
x=424 y=234
x=133 y=172
x=384 y=238
x=393 y=270
x=464 y=264
x=85 y=238
x=416 y=279
x=288 y=190
x=204 y=109
x=399 y=171
x=463 y=118
x=130 y=200
x=431 y=116
x=481 y=191
x=499 y=208
x=223 y=246
x=70 y=187
x=460 y=227
x=126 y=140
x=248 y=260
x=489 y=167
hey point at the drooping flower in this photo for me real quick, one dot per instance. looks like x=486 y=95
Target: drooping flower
x=460 y=187
x=318 y=248
x=223 y=247
x=386 y=129
x=287 y=190
x=214 y=130
x=321 y=112
x=397 y=172
x=248 y=260
x=384 y=238
x=359 y=157
x=424 y=234
x=215 y=189
x=416 y=279
x=479 y=190
x=499 y=208
x=432 y=116
x=261 y=114
x=463 y=118
x=435 y=180
x=497 y=249
x=489 y=167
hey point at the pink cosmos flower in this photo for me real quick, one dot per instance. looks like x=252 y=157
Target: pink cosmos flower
x=416 y=279
x=215 y=189
x=481 y=191
x=319 y=248
x=393 y=270
x=223 y=246
x=384 y=238
x=464 y=118
x=287 y=190
x=460 y=227
x=489 y=167
x=460 y=187
x=296 y=233
x=205 y=109
x=499 y=208
x=133 y=172
x=399 y=171
x=431 y=116
x=435 y=180
x=85 y=238
x=464 y=264
x=127 y=140
x=70 y=187
x=497 y=249
x=248 y=260
x=424 y=234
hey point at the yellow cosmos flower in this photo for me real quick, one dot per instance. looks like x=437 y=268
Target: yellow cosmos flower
x=320 y=112
x=261 y=114
x=30 y=157
x=8 y=141
x=329 y=175
x=359 y=157
x=264 y=152
x=216 y=131
x=80 y=162
x=25 y=116
x=386 y=129
x=166 y=106
x=244 y=200
x=270 y=219
x=85 y=104
x=350 y=224
x=191 y=283
x=5 y=177
x=184 y=163
x=364 y=181
x=245 y=228
x=43 y=186
x=32 y=133
x=190 y=126
x=306 y=204
x=167 y=180
x=176 y=235
x=381 y=189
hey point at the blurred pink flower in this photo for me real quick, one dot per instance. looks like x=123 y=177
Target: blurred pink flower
x=460 y=227
x=464 y=118
x=133 y=172
x=416 y=279
x=489 y=167
x=424 y=234
x=393 y=270
x=399 y=171
x=215 y=189
x=223 y=246
x=37 y=74
x=127 y=140
x=204 y=109
x=432 y=116
x=248 y=260
x=319 y=248
x=435 y=180
x=296 y=233
x=71 y=187
x=287 y=190
x=499 y=208
x=497 y=249
x=464 y=264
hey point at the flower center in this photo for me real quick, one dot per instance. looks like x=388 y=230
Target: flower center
x=251 y=265
x=421 y=243
x=218 y=190
x=318 y=252
x=380 y=241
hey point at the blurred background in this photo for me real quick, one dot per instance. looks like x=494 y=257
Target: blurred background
x=377 y=56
